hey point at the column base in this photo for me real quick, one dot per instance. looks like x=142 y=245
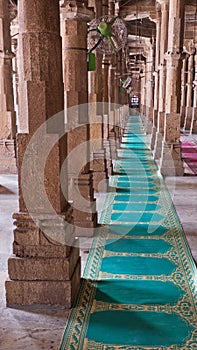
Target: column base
x=143 y=118
x=171 y=162
x=114 y=144
x=84 y=205
x=188 y=118
x=99 y=168
x=148 y=127
x=158 y=145
x=182 y=116
x=109 y=164
x=42 y=271
x=7 y=157
x=149 y=120
x=100 y=182
x=43 y=293
x=194 y=121
x=153 y=137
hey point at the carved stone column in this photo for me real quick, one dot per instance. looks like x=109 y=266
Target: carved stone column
x=45 y=267
x=156 y=75
x=171 y=162
x=98 y=114
x=106 y=113
x=7 y=113
x=75 y=16
x=149 y=88
x=15 y=74
x=189 y=97
x=112 y=121
x=194 y=113
x=183 y=90
x=117 y=97
x=162 y=77
x=112 y=83
x=124 y=108
x=143 y=92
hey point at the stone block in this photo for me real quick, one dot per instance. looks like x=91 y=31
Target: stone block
x=43 y=293
x=44 y=229
x=172 y=127
x=100 y=181
x=49 y=251
x=39 y=269
x=27 y=236
x=7 y=157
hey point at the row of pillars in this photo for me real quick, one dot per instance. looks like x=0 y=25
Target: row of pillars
x=63 y=154
x=189 y=91
x=173 y=90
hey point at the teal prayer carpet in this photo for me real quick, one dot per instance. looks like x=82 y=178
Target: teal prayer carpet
x=139 y=288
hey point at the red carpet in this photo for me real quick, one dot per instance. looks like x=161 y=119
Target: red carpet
x=189 y=155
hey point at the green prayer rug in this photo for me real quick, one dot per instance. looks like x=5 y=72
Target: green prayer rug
x=139 y=288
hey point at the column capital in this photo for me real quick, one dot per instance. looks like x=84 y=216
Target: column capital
x=76 y=10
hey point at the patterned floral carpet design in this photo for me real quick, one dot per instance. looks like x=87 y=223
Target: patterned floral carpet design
x=189 y=155
x=139 y=287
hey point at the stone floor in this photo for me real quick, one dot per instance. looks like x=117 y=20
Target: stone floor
x=38 y=329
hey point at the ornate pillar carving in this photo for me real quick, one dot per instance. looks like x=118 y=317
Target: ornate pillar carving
x=171 y=163
x=143 y=91
x=98 y=164
x=183 y=89
x=75 y=16
x=149 y=87
x=156 y=75
x=124 y=108
x=194 y=113
x=162 y=77
x=45 y=267
x=189 y=96
x=112 y=83
x=7 y=113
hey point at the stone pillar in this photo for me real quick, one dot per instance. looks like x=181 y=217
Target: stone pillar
x=143 y=91
x=149 y=87
x=124 y=108
x=194 y=113
x=117 y=96
x=100 y=163
x=15 y=74
x=189 y=97
x=112 y=83
x=98 y=116
x=113 y=113
x=106 y=113
x=162 y=77
x=111 y=79
x=171 y=162
x=7 y=113
x=75 y=17
x=45 y=267
x=156 y=75
x=183 y=90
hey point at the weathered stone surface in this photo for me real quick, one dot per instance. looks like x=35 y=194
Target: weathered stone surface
x=7 y=113
x=42 y=231
x=39 y=269
x=45 y=269
x=100 y=182
x=45 y=293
